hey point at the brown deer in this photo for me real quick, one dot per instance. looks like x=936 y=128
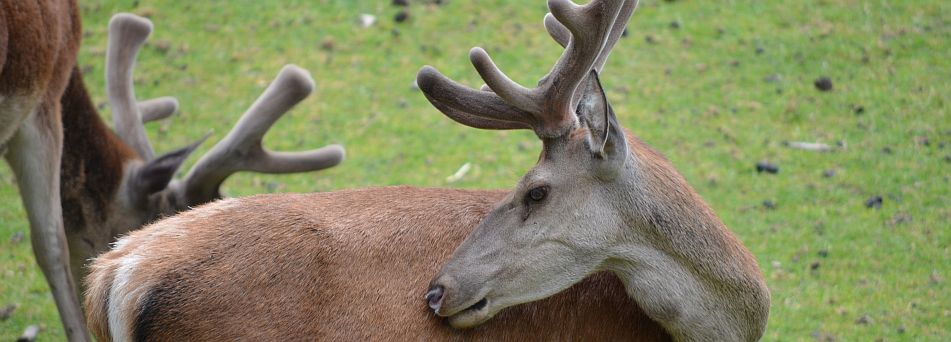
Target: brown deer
x=83 y=185
x=602 y=240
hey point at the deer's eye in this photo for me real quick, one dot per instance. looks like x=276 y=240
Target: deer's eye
x=537 y=194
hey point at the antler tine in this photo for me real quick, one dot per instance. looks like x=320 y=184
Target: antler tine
x=512 y=92
x=590 y=25
x=549 y=107
x=556 y=30
x=127 y=33
x=620 y=23
x=158 y=108
x=459 y=103
x=561 y=35
x=241 y=149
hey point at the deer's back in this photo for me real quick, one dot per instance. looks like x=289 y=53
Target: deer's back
x=341 y=265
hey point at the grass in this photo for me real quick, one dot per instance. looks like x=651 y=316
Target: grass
x=717 y=93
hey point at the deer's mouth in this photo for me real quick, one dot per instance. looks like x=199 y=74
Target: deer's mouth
x=472 y=316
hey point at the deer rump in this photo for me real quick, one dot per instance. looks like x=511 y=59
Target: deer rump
x=325 y=266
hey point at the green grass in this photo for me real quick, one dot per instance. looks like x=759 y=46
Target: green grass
x=700 y=93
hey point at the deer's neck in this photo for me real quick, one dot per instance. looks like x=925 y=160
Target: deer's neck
x=93 y=160
x=683 y=266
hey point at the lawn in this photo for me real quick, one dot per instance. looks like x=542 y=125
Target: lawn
x=717 y=86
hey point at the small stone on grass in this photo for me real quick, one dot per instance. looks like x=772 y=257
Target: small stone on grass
x=767 y=167
x=823 y=83
x=7 y=311
x=401 y=16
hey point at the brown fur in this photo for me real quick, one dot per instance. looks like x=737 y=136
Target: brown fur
x=348 y=265
x=93 y=160
x=42 y=38
x=39 y=41
x=93 y=166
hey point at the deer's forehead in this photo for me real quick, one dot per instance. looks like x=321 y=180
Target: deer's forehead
x=563 y=149
x=552 y=172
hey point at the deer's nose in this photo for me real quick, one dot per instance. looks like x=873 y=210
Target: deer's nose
x=434 y=297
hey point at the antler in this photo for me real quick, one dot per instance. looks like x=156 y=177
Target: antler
x=588 y=32
x=561 y=35
x=241 y=149
x=127 y=34
x=158 y=109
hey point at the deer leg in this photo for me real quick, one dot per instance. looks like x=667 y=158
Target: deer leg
x=34 y=155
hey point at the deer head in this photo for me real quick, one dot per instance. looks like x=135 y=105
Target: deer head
x=148 y=190
x=596 y=200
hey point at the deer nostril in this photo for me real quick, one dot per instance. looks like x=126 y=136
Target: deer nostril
x=434 y=297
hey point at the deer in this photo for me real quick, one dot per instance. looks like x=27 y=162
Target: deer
x=601 y=240
x=83 y=184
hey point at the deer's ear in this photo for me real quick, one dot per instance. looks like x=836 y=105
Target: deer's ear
x=155 y=175
x=605 y=136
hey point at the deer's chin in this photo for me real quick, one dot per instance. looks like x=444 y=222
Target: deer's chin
x=473 y=316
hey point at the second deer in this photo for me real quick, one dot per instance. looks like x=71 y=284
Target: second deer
x=602 y=240
x=107 y=183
